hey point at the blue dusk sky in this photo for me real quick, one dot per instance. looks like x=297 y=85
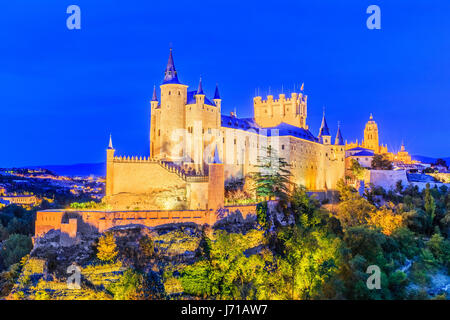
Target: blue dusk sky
x=62 y=92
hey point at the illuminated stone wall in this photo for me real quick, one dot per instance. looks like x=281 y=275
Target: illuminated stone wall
x=313 y=165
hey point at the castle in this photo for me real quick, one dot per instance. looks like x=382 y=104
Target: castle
x=195 y=150
x=372 y=144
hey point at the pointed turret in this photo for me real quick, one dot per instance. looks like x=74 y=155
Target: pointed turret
x=110 y=145
x=170 y=75
x=216 y=159
x=216 y=93
x=200 y=87
x=217 y=101
x=324 y=132
x=109 y=167
x=200 y=95
x=339 y=141
x=154 y=97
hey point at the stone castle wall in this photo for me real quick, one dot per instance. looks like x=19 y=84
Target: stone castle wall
x=71 y=222
x=147 y=184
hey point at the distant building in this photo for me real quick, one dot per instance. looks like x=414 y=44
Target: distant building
x=362 y=155
x=27 y=200
x=371 y=141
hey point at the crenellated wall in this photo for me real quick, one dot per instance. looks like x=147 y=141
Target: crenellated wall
x=148 y=184
x=271 y=112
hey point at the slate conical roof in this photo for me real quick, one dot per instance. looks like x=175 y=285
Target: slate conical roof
x=200 y=87
x=110 y=145
x=216 y=93
x=154 y=97
x=324 y=131
x=339 y=140
x=170 y=75
x=216 y=159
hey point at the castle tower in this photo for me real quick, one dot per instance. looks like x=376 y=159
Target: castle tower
x=271 y=112
x=371 y=140
x=218 y=103
x=110 y=168
x=169 y=130
x=216 y=184
x=324 y=132
x=200 y=95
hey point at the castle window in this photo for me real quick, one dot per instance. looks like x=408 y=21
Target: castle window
x=159 y=132
x=179 y=93
x=282 y=147
x=169 y=93
x=234 y=141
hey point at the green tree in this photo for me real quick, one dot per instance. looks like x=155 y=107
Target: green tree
x=357 y=170
x=354 y=212
x=346 y=192
x=4 y=234
x=107 y=248
x=130 y=286
x=272 y=180
x=262 y=215
x=14 y=249
x=429 y=205
x=380 y=162
x=308 y=259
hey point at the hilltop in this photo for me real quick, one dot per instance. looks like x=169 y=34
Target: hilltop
x=80 y=169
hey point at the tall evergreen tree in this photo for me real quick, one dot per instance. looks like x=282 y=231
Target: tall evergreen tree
x=272 y=180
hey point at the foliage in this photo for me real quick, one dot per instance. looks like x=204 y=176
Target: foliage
x=429 y=204
x=346 y=192
x=262 y=215
x=272 y=180
x=304 y=208
x=357 y=170
x=228 y=273
x=129 y=287
x=380 y=162
x=107 y=248
x=441 y=162
x=354 y=212
x=308 y=260
x=386 y=220
x=14 y=249
x=87 y=205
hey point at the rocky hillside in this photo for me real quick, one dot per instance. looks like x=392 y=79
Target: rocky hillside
x=45 y=273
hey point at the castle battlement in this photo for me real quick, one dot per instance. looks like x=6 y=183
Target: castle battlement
x=169 y=166
x=281 y=98
x=134 y=159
